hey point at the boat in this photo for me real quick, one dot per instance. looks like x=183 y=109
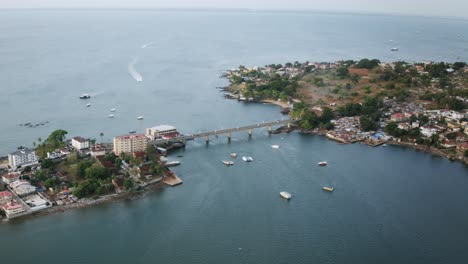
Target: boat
x=228 y=162
x=88 y=104
x=384 y=145
x=247 y=159
x=394 y=49
x=140 y=118
x=286 y=195
x=275 y=146
x=112 y=110
x=85 y=96
x=328 y=189
x=322 y=163
x=172 y=163
x=180 y=156
x=111 y=116
x=234 y=155
x=132 y=131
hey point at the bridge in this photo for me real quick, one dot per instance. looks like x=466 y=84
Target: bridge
x=228 y=132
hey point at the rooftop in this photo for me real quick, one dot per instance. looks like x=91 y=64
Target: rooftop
x=131 y=136
x=163 y=128
x=80 y=139
x=22 y=151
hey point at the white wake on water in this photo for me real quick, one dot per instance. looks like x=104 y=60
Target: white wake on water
x=144 y=46
x=133 y=72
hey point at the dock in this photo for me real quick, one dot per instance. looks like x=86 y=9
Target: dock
x=171 y=179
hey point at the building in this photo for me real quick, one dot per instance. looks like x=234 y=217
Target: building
x=22 y=188
x=10 y=177
x=161 y=131
x=22 y=157
x=80 y=143
x=5 y=197
x=130 y=143
x=398 y=117
x=428 y=131
x=11 y=209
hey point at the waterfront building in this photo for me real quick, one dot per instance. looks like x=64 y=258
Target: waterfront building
x=22 y=188
x=22 y=157
x=130 y=143
x=10 y=177
x=80 y=143
x=12 y=208
x=428 y=131
x=5 y=197
x=161 y=131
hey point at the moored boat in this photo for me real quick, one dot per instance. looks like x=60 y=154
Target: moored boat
x=88 y=104
x=140 y=118
x=286 y=195
x=85 y=96
x=111 y=116
x=322 y=163
x=112 y=110
x=275 y=146
x=328 y=189
x=228 y=162
x=247 y=159
x=132 y=131
x=234 y=155
x=173 y=163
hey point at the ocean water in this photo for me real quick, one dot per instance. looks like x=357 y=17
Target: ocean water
x=391 y=205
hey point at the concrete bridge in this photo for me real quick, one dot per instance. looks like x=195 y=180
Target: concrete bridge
x=228 y=132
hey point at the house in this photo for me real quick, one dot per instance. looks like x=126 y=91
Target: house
x=22 y=188
x=415 y=124
x=80 y=143
x=404 y=126
x=398 y=117
x=10 y=177
x=428 y=131
x=12 y=208
x=22 y=157
x=162 y=131
x=462 y=147
x=447 y=144
x=5 y=197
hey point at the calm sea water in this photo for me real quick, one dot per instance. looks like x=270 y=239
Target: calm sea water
x=390 y=205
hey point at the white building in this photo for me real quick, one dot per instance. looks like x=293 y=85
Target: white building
x=22 y=157
x=10 y=177
x=428 y=131
x=22 y=188
x=160 y=131
x=80 y=143
x=11 y=209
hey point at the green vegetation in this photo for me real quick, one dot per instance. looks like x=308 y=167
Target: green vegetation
x=309 y=119
x=275 y=88
x=367 y=64
x=55 y=140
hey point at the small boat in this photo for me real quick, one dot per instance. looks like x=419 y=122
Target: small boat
x=394 y=49
x=322 y=163
x=328 y=189
x=132 y=131
x=140 y=118
x=180 y=156
x=275 y=146
x=247 y=159
x=111 y=116
x=173 y=163
x=112 y=110
x=228 y=162
x=85 y=96
x=286 y=195
x=88 y=104
x=234 y=155
x=384 y=145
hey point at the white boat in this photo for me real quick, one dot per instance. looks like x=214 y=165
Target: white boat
x=286 y=195
x=394 y=49
x=228 y=162
x=132 y=131
x=111 y=116
x=140 y=118
x=384 y=145
x=173 y=163
x=322 y=163
x=112 y=110
x=88 y=104
x=275 y=146
x=328 y=189
x=247 y=159
x=234 y=155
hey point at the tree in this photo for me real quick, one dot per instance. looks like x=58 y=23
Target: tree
x=391 y=128
x=367 y=123
x=327 y=115
x=466 y=153
x=101 y=135
x=27 y=169
x=342 y=72
x=97 y=172
x=128 y=183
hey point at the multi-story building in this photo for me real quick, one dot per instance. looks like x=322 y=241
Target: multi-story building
x=80 y=143
x=130 y=143
x=161 y=131
x=11 y=209
x=22 y=157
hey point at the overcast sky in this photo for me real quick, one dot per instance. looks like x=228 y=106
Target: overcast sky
x=421 y=7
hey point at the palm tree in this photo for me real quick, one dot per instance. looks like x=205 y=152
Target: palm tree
x=34 y=143
x=101 y=134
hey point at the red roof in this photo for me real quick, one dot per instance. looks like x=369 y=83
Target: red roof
x=12 y=206
x=11 y=176
x=6 y=194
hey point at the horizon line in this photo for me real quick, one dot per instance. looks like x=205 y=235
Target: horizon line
x=237 y=9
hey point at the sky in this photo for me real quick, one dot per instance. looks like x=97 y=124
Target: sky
x=452 y=8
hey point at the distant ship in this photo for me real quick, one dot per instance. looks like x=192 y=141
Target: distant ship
x=286 y=195
x=328 y=189
x=111 y=116
x=112 y=110
x=228 y=162
x=132 y=131
x=140 y=118
x=247 y=159
x=394 y=49
x=322 y=163
x=88 y=104
x=85 y=96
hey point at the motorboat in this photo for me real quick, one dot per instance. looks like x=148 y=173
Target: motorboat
x=275 y=146
x=247 y=159
x=85 y=96
x=322 y=163
x=394 y=49
x=286 y=195
x=132 y=131
x=228 y=162
x=173 y=163
x=111 y=116
x=88 y=104
x=234 y=155
x=112 y=110
x=328 y=189
x=140 y=118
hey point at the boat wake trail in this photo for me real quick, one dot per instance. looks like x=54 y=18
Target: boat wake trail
x=144 y=46
x=133 y=72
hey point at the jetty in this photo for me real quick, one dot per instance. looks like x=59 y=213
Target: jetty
x=171 y=179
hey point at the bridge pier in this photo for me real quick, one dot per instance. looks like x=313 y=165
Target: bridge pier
x=270 y=130
x=289 y=125
x=229 y=137
x=250 y=132
x=207 y=139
